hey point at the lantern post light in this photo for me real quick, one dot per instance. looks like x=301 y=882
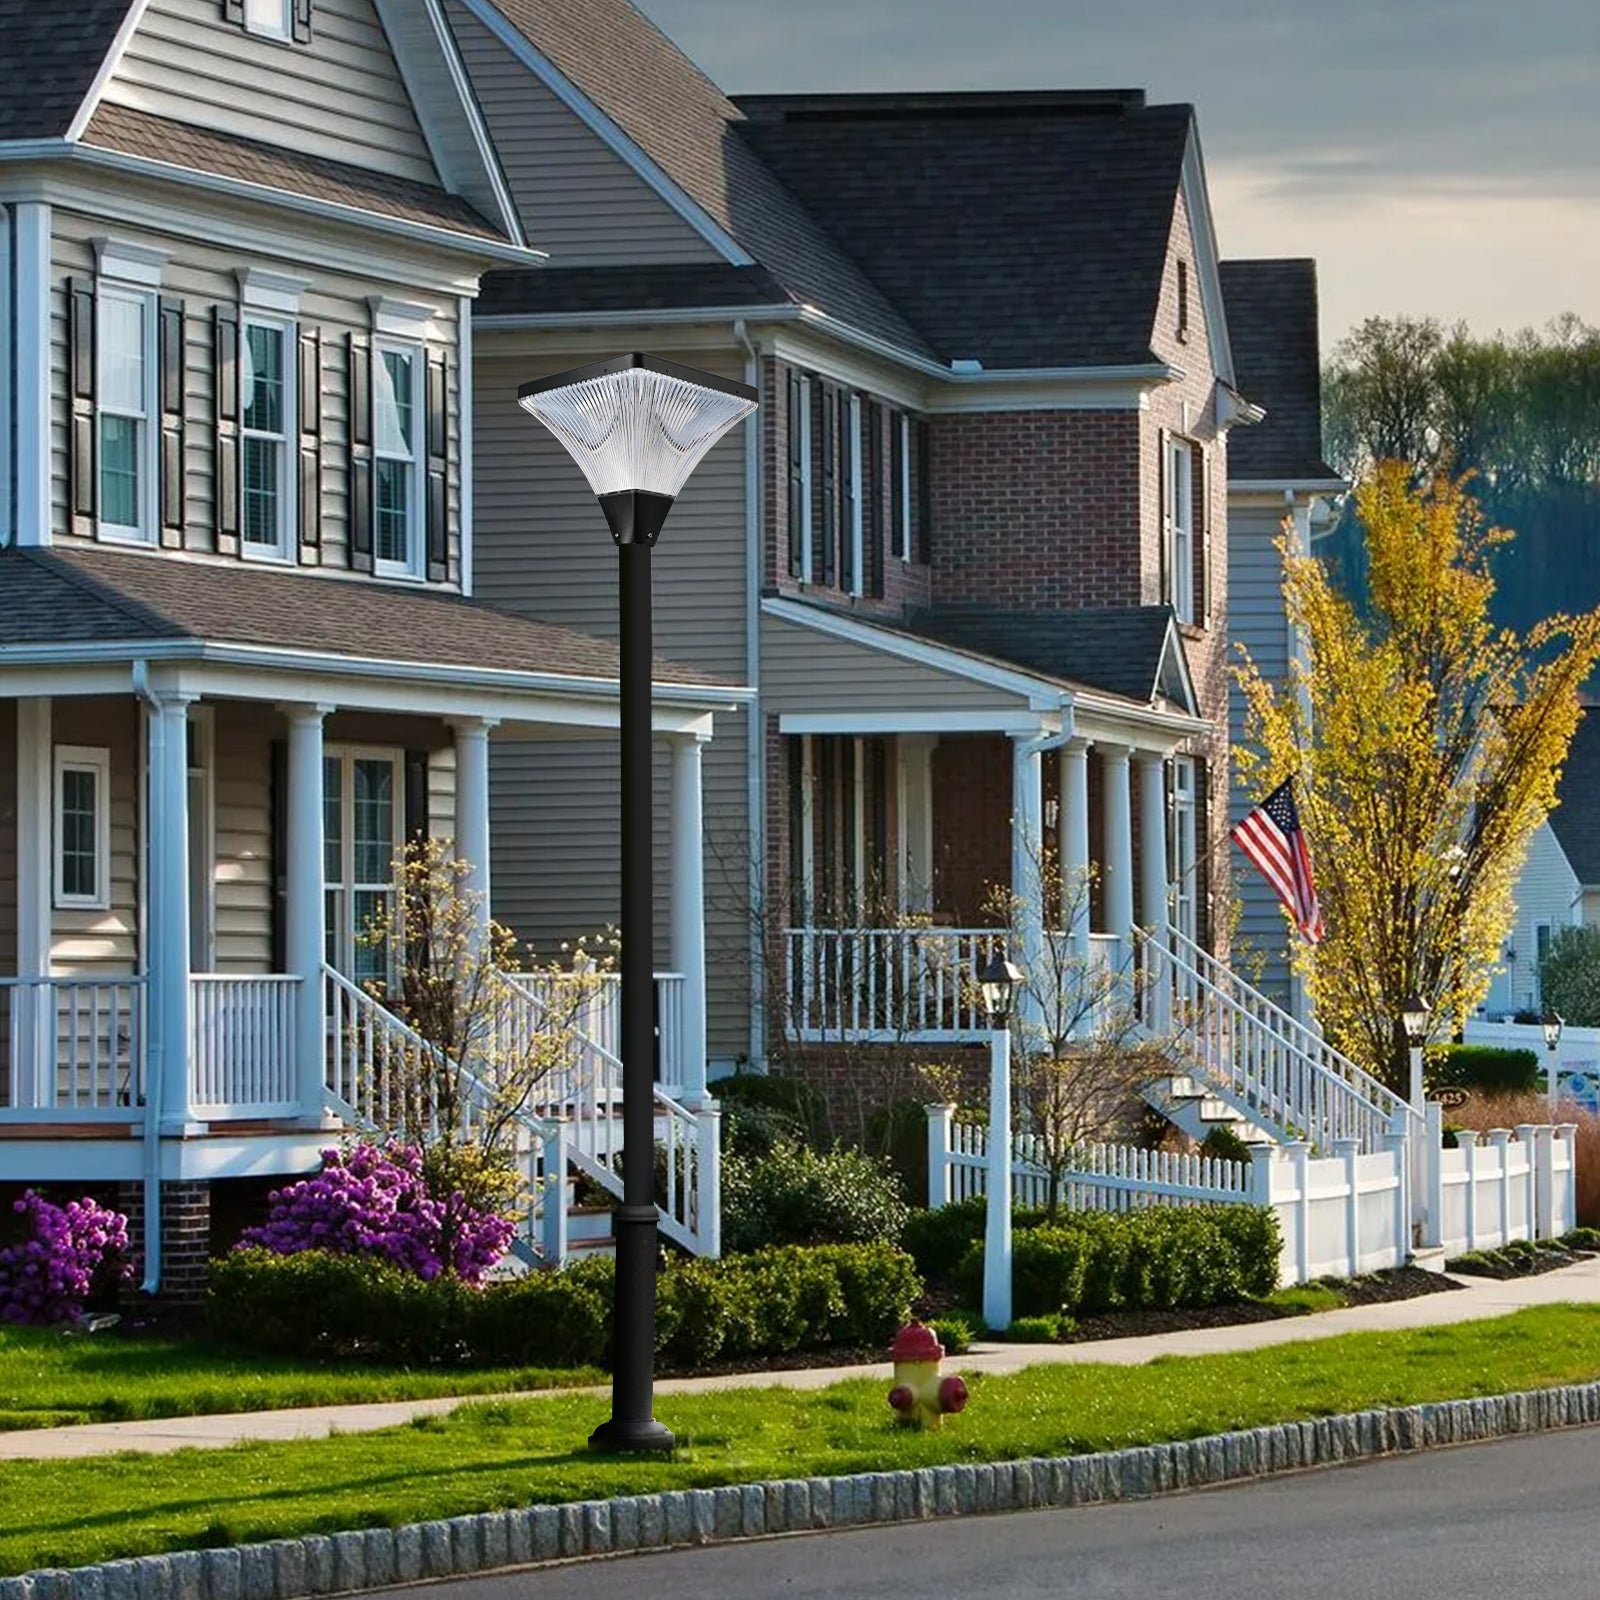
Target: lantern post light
x=1552 y=1022
x=637 y=427
x=997 y=982
x=1414 y=1019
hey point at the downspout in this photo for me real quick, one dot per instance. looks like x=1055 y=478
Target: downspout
x=152 y=1093
x=756 y=721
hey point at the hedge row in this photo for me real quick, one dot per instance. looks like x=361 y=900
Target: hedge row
x=1091 y=1261
x=1489 y=1068
x=320 y=1306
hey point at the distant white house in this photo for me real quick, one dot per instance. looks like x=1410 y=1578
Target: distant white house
x=1560 y=882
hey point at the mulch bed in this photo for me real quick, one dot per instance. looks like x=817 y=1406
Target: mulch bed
x=1517 y=1264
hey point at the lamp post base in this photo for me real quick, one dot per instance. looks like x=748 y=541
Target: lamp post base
x=614 y=1437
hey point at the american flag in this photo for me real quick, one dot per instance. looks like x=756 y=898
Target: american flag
x=1272 y=838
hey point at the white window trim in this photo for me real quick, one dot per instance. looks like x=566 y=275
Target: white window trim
x=903 y=532
x=288 y=503
x=807 y=551
x=281 y=28
x=349 y=885
x=1183 y=836
x=416 y=535
x=144 y=531
x=1180 y=523
x=857 y=520
x=97 y=761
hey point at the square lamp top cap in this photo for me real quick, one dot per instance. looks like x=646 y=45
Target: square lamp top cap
x=636 y=422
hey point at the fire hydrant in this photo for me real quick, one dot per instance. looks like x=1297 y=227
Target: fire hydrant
x=920 y=1395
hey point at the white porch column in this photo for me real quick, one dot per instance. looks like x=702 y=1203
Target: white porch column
x=1027 y=840
x=689 y=909
x=916 y=820
x=167 y=903
x=1118 y=822
x=1152 y=843
x=31 y=1033
x=1075 y=844
x=472 y=808
x=306 y=911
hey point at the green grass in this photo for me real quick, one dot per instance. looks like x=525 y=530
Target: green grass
x=47 y=1380
x=504 y=1453
x=1304 y=1297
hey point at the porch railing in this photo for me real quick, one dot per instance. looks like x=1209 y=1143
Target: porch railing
x=599 y=1017
x=242 y=1044
x=73 y=1044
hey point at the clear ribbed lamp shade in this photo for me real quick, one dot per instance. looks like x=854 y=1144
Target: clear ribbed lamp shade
x=637 y=423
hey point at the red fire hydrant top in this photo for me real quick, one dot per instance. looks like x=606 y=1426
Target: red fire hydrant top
x=916 y=1342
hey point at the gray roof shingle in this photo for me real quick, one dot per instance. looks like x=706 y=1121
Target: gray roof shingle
x=1114 y=648
x=1271 y=307
x=1576 y=818
x=138 y=133
x=644 y=288
x=49 y=55
x=1022 y=230
x=70 y=596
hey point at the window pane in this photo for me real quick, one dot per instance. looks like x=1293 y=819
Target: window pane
x=391 y=531
x=373 y=822
x=78 y=806
x=261 y=378
x=119 y=470
x=333 y=926
x=121 y=332
x=332 y=819
x=394 y=410
x=262 y=500
x=371 y=960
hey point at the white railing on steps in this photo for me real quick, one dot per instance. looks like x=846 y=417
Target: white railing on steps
x=1254 y=1055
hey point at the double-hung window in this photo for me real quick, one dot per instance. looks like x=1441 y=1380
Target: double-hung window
x=362 y=800
x=82 y=828
x=266 y=405
x=273 y=19
x=397 y=461
x=126 y=408
x=1180 y=526
x=1183 y=843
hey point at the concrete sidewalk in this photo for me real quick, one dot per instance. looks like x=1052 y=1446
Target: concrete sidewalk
x=1479 y=1299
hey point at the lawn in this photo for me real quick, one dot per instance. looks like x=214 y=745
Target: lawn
x=503 y=1453
x=49 y=1381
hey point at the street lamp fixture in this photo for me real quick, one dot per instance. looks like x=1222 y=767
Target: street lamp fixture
x=997 y=982
x=1414 y=1018
x=1552 y=1023
x=637 y=427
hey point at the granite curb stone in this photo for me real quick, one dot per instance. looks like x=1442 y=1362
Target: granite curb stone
x=346 y=1563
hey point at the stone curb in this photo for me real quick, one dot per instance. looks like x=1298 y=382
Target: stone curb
x=342 y=1563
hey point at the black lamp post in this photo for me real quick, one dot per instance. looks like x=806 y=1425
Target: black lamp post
x=637 y=427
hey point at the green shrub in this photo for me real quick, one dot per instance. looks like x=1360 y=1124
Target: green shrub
x=953 y=1332
x=1223 y=1144
x=794 y=1195
x=899 y=1133
x=1093 y=1261
x=1581 y=1239
x=1488 y=1068
x=938 y=1240
x=1034 y=1330
x=775 y=1092
x=320 y=1306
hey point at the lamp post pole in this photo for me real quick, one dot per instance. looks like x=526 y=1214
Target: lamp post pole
x=997 y=1213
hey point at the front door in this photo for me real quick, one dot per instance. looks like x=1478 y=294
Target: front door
x=1181 y=846
x=362 y=829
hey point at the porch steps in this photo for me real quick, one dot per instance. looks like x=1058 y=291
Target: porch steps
x=1188 y=1104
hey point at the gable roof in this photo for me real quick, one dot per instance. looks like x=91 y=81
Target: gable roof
x=63 y=46
x=65 y=596
x=1131 y=651
x=648 y=89
x=1272 y=327
x=684 y=286
x=181 y=144
x=1019 y=229
x=1576 y=818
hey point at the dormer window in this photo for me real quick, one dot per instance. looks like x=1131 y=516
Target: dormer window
x=285 y=20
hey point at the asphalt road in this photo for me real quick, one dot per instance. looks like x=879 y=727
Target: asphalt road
x=1481 y=1522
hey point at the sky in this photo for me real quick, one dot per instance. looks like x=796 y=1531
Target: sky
x=1436 y=157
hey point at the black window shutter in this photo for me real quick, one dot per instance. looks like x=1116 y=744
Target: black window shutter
x=897 y=486
x=302 y=21
x=826 y=805
x=233 y=11
x=308 y=409
x=360 y=377
x=849 y=472
x=924 y=517
x=83 y=465
x=438 y=468
x=797 y=496
x=278 y=851
x=225 y=377
x=830 y=482
x=874 y=539
x=794 y=749
x=172 y=433
x=416 y=797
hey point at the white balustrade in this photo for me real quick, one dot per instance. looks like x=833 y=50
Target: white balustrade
x=242 y=1045
x=75 y=1044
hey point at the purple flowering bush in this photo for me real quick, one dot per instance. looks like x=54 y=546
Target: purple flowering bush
x=51 y=1275
x=374 y=1200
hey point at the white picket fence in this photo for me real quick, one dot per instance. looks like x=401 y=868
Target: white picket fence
x=1339 y=1215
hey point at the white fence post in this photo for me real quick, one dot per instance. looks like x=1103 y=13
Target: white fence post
x=1467 y=1139
x=1500 y=1142
x=1262 y=1159
x=707 y=1225
x=1544 y=1183
x=1299 y=1153
x=1530 y=1179
x=1397 y=1141
x=1428 y=1226
x=1348 y=1152
x=939 y=1118
x=1567 y=1133
x=555 y=1192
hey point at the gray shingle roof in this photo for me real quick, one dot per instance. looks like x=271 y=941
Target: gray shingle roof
x=1022 y=230
x=1115 y=648
x=67 y=596
x=1271 y=308
x=626 y=288
x=49 y=55
x=638 y=78
x=1576 y=820
x=138 y=133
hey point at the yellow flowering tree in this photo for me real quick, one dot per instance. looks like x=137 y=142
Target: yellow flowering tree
x=1426 y=743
